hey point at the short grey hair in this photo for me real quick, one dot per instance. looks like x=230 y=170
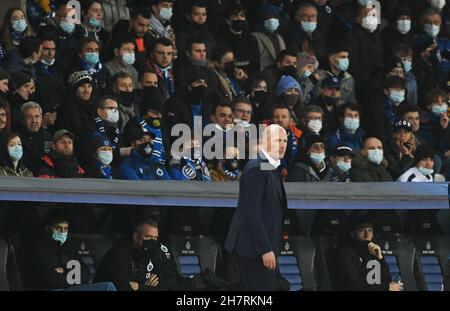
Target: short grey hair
x=29 y=105
x=311 y=108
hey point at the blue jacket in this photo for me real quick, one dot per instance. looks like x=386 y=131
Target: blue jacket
x=354 y=141
x=135 y=167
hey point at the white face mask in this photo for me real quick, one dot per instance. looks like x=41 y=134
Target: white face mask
x=50 y=63
x=370 y=23
x=315 y=125
x=112 y=116
x=438 y=4
x=403 y=26
x=432 y=30
x=105 y=157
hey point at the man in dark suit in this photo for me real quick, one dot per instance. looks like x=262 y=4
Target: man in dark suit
x=255 y=231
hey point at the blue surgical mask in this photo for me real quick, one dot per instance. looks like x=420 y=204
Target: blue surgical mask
x=20 y=25
x=15 y=153
x=67 y=27
x=306 y=74
x=397 y=97
x=94 y=22
x=105 y=157
x=343 y=64
x=407 y=65
x=403 y=26
x=59 y=236
x=375 y=156
x=431 y=30
x=425 y=171
x=363 y=2
x=317 y=158
x=351 y=124
x=91 y=58
x=128 y=58
x=165 y=14
x=309 y=27
x=272 y=24
x=344 y=167
x=439 y=109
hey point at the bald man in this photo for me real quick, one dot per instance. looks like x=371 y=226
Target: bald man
x=255 y=231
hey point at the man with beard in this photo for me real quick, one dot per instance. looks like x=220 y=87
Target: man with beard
x=60 y=162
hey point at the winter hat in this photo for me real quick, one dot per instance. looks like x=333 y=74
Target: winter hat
x=400 y=11
x=268 y=10
x=78 y=78
x=392 y=63
x=20 y=78
x=311 y=140
x=4 y=74
x=304 y=59
x=422 y=152
x=286 y=83
x=99 y=140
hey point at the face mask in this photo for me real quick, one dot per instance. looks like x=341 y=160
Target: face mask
x=232 y=164
x=288 y=71
x=397 y=97
x=59 y=236
x=198 y=93
x=306 y=74
x=198 y=62
x=375 y=156
x=343 y=64
x=271 y=24
x=260 y=97
x=67 y=27
x=149 y=245
x=112 y=116
x=317 y=158
x=94 y=22
x=438 y=4
x=91 y=58
x=165 y=14
x=431 y=30
x=127 y=96
x=370 y=23
x=145 y=150
x=344 y=167
x=440 y=109
x=238 y=25
x=363 y=2
x=407 y=65
x=15 y=153
x=290 y=100
x=425 y=171
x=315 y=125
x=309 y=27
x=403 y=26
x=19 y=26
x=229 y=68
x=105 y=157
x=330 y=101
x=128 y=58
x=46 y=63
x=351 y=124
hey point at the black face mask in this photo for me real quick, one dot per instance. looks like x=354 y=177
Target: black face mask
x=288 y=71
x=149 y=245
x=290 y=100
x=260 y=97
x=330 y=101
x=145 y=150
x=198 y=93
x=232 y=164
x=153 y=122
x=153 y=99
x=239 y=25
x=229 y=68
x=127 y=98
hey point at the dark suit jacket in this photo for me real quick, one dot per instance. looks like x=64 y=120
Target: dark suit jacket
x=257 y=221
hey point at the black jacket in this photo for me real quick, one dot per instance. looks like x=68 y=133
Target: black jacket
x=34 y=146
x=189 y=30
x=296 y=38
x=396 y=166
x=55 y=165
x=428 y=77
x=125 y=263
x=365 y=171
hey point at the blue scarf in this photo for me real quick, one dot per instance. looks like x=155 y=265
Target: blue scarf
x=105 y=171
x=101 y=129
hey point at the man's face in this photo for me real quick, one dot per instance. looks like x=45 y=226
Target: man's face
x=198 y=51
x=48 y=50
x=65 y=14
x=434 y=19
x=32 y=119
x=364 y=234
x=372 y=144
x=61 y=227
x=140 y=25
x=236 y=17
x=427 y=163
x=155 y=114
x=143 y=140
x=413 y=118
x=334 y=58
x=282 y=117
x=316 y=148
x=163 y=5
x=277 y=143
x=149 y=79
x=198 y=15
x=288 y=60
x=346 y=158
x=84 y=91
x=26 y=90
x=313 y=116
x=125 y=48
x=306 y=15
x=64 y=145
x=162 y=55
x=348 y=113
x=124 y=85
x=89 y=47
x=223 y=116
x=331 y=91
x=4 y=88
x=243 y=112
x=146 y=232
x=109 y=105
x=2 y=119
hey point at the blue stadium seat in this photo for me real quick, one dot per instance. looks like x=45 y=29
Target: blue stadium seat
x=189 y=265
x=289 y=270
x=394 y=269
x=432 y=273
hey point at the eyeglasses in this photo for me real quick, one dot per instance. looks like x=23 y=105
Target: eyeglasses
x=318 y=146
x=113 y=109
x=243 y=111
